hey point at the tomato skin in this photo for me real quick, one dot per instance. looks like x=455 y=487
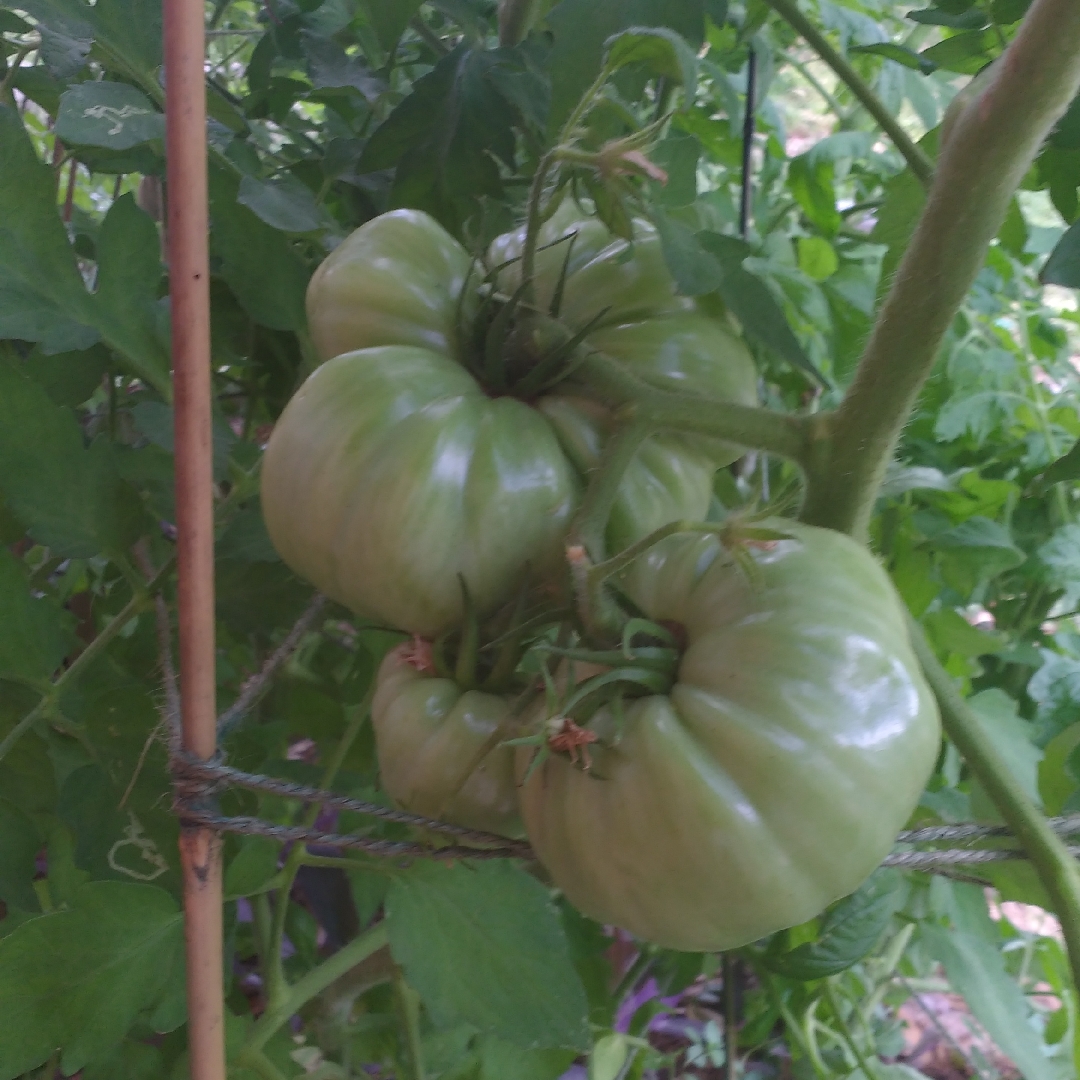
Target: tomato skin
x=392 y=472
x=775 y=775
x=429 y=734
x=394 y=281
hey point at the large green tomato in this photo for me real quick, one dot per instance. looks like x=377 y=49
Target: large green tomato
x=393 y=473
x=438 y=746
x=775 y=775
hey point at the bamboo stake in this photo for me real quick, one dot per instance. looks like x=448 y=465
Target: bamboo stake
x=187 y=223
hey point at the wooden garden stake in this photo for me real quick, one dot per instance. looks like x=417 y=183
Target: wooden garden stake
x=187 y=224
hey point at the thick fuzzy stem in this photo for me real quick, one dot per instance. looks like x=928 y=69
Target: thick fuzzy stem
x=990 y=146
x=758 y=429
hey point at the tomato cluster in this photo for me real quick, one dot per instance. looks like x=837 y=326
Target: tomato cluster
x=737 y=742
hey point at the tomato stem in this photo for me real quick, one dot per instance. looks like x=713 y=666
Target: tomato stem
x=990 y=146
x=592 y=519
x=1057 y=870
x=760 y=429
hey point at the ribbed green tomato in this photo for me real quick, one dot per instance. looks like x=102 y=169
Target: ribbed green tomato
x=774 y=776
x=392 y=471
x=438 y=748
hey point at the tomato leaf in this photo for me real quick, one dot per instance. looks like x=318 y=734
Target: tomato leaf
x=110 y=114
x=975 y=968
x=69 y=497
x=483 y=944
x=581 y=28
x=78 y=979
x=256 y=260
x=849 y=930
x=35 y=634
x=20 y=842
x=661 y=51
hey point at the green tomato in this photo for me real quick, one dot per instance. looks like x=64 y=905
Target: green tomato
x=438 y=746
x=393 y=473
x=775 y=775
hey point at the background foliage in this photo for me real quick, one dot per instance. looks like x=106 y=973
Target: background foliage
x=323 y=114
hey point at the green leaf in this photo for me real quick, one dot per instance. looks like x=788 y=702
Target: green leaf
x=500 y=1060
x=35 y=634
x=817 y=257
x=78 y=979
x=810 y=180
x=849 y=931
x=483 y=944
x=581 y=27
x=69 y=378
x=985 y=543
x=695 y=270
x=283 y=203
x=661 y=51
x=331 y=67
x=972 y=18
x=129 y=273
x=252 y=867
x=246 y=538
x=70 y=498
x=678 y=156
x=753 y=305
x=902 y=55
x=109 y=114
x=975 y=968
x=42 y=297
x=967 y=53
x=62 y=54
x=1066 y=467
x=127 y=32
x=256 y=260
x=444 y=138
x=1011 y=735
x=388 y=18
x=1063 y=266
x=20 y=842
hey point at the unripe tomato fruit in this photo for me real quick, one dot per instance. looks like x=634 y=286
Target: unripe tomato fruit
x=392 y=472
x=773 y=777
x=438 y=747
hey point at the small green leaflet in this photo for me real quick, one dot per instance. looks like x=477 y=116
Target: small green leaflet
x=849 y=930
x=77 y=979
x=283 y=203
x=975 y=968
x=482 y=943
x=68 y=496
x=109 y=114
x=661 y=51
x=1063 y=266
x=35 y=634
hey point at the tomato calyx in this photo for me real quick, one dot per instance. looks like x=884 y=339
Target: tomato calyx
x=513 y=348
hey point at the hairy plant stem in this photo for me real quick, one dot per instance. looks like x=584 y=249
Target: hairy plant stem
x=1057 y=870
x=917 y=160
x=758 y=429
x=846 y=1033
x=991 y=144
x=408 y=1006
x=141 y=601
x=515 y=19
x=312 y=984
x=592 y=519
x=277 y=989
